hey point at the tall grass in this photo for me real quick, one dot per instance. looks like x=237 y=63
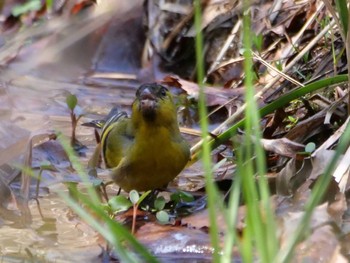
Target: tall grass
x=206 y=158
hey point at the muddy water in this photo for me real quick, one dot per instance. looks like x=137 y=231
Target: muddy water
x=58 y=236
x=55 y=234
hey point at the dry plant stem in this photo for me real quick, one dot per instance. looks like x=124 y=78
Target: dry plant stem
x=257 y=57
x=309 y=46
x=226 y=45
x=74 y=126
x=297 y=37
x=134 y=212
x=274 y=9
x=39 y=208
x=25 y=177
x=176 y=31
x=38 y=183
x=240 y=111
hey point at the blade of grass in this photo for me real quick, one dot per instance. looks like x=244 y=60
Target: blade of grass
x=342 y=9
x=231 y=221
x=246 y=173
x=260 y=218
x=78 y=167
x=116 y=233
x=209 y=182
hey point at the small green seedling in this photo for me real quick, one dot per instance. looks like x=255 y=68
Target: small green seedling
x=309 y=149
x=278 y=65
x=136 y=200
x=75 y=114
x=292 y=122
x=258 y=42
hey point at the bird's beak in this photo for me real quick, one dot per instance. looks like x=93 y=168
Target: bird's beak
x=147 y=101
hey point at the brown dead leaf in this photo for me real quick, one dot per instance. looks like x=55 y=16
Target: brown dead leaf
x=274 y=123
x=308 y=128
x=227 y=73
x=215 y=13
x=292 y=176
x=215 y=96
x=321 y=244
x=283 y=147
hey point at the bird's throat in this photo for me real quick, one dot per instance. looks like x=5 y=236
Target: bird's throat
x=148 y=109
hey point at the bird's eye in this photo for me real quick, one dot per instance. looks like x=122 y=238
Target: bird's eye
x=163 y=91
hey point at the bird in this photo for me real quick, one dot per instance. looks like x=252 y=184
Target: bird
x=146 y=150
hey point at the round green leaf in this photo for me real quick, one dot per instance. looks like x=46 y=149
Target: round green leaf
x=159 y=203
x=310 y=147
x=186 y=197
x=134 y=196
x=175 y=197
x=119 y=203
x=163 y=217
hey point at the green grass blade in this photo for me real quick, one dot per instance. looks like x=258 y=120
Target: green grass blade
x=209 y=185
x=260 y=218
x=116 y=234
x=231 y=221
x=342 y=9
x=79 y=168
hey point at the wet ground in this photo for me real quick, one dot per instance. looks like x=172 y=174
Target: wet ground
x=32 y=97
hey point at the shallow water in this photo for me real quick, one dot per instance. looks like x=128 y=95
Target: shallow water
x=58 y=236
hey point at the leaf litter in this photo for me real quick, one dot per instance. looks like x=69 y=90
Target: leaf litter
x=292 y=49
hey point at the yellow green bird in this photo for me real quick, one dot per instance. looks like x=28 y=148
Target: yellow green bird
x=145 y=151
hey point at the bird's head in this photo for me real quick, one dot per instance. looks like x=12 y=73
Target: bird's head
x=154 y=104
